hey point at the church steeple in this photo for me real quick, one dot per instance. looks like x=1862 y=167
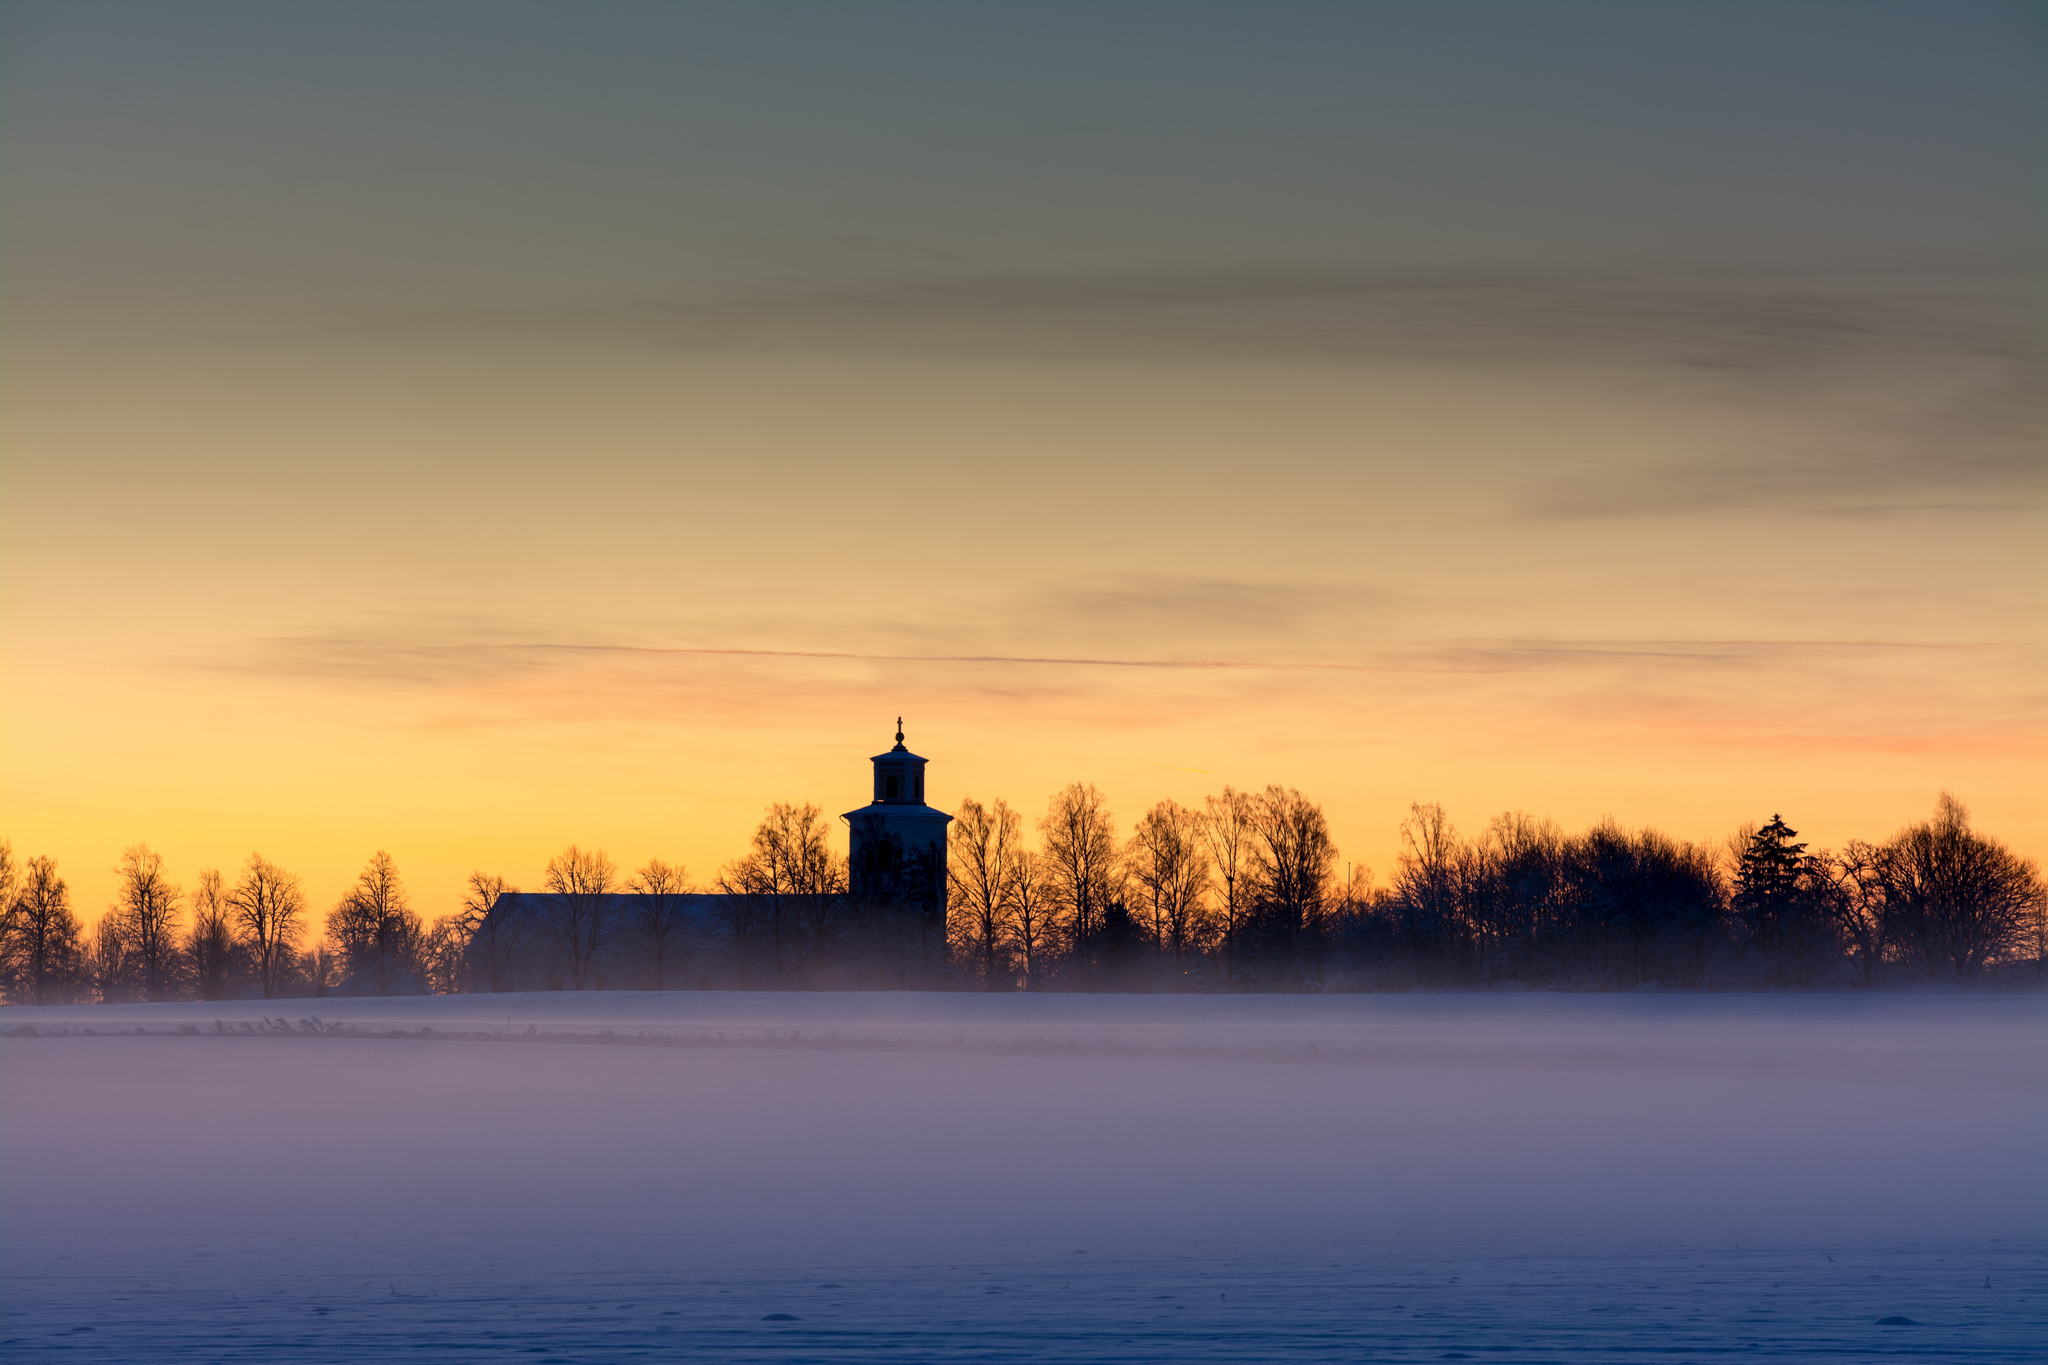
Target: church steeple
x=896 y=844
x=899 y=774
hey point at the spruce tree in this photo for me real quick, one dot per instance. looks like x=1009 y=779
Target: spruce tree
x=1767 y=883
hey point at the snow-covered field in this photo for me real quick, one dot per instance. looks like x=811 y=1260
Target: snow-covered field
x=613 y=1176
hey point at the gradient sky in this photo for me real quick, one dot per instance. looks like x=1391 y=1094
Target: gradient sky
x=464 y=430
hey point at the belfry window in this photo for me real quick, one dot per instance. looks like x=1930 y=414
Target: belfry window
x=889 y=790
x=917 y=791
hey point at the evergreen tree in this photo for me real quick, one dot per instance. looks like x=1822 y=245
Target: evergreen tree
x=1768 y=882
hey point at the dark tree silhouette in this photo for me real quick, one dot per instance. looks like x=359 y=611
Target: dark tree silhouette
x=1227 y=830
x=1168 y=857
x=1432 y=893
x=1033 y=918
x=578 y=916
x=985 y=846
x=790 y=883
x=43 y=957
x=1783 y=898
x=145 y=913
x=1082 y=869
x=1292 y=862
x=493 y=940
x=1848 y=892
x=381 y=940
x=444 y=954
x=210 y=947
x=662 y=916
x=267 y=905
x=110 y=962
x=1608 y=907
x=1954 y=902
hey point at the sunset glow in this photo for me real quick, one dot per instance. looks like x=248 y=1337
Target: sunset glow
x=478 y=469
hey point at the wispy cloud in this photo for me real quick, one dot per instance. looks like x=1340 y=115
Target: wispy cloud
x=1962 y=477
x=437 y=651
x=1717 y=323
x=449 y=674
x=1926 y=383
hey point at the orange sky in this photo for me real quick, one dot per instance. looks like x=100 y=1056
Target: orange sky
x=364 y=491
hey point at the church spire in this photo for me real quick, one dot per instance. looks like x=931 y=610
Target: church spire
x=899 y=733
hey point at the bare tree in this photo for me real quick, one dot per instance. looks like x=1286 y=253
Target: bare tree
x=146 y=910
x=982 y=871
x=43 y=955
x=790 y=882
x=1034 y=928
x=325 y=967
x=377 y=932
x=1081 y=863
x=1169 y=859
x=211 y=945
x=267 y=905
x=10 y=886
x=494 y=938
x=1852 y=895
x=579 y=917
x=1954 y=900
x=110 y=962
x=1227 y=830
x=662 y=915
x=444 y=954
x=1292 y=858
x=1429 y=886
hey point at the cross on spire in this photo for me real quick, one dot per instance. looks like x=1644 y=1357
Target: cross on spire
x=899 y=732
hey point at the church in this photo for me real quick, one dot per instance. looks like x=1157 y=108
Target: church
x=896 y=842
x=888 y=928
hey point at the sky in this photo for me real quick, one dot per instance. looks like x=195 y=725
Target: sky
x=466 y=431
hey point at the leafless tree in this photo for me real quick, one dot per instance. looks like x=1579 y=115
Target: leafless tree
x=324 y=967
x=444 y=954
x=1169 y=859
x=662 y=915
x=10 y=886
x=1430 y=887
x=1955 y=901
x=1519 y=908
x=146 y=912
x=110 y=962
x=1034 y=928
x=494 y=938
x=1851 y=894
x=986 y=843
x=267 y=905
x=1227 y=830
x=579 y=889
x=790 y=882
x=211 y=945
x=44 y=957
x=1081 y=863
x=1292 y=860
x=378 y=934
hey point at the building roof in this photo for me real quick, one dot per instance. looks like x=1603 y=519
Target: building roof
x=900 y=810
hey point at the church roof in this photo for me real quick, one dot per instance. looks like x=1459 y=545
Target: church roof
x=900 y=810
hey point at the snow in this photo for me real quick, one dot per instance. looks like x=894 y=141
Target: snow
x=629 y=1175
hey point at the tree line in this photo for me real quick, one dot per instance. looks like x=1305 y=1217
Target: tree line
x=1242 y=893
x=1239 y=893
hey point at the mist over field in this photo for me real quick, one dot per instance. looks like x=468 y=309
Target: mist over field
x=1460 y=588
x=596 y=1176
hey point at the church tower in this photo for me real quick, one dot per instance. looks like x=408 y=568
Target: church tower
x=897 y=844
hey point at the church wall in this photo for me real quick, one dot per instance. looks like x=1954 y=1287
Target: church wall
x=721 y=943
